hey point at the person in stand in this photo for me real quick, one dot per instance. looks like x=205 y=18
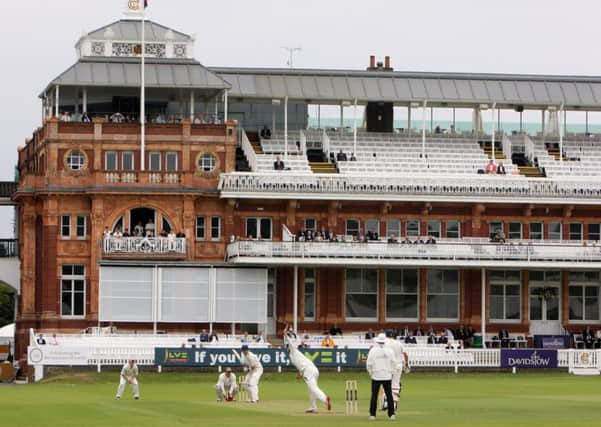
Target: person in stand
x=278 y=165
x=370 y=335
x=491 y=168
x=129 y=375
x=588 y=337
x=504 y=338
x=85 y=118
x=501 y=169
x=341 y=156
x=255 y=370
x=380 y=366
x=265 y=132
x=204 y=336
x=308 y=371
x=353 y=158
x=328 y=342
x=226 y=387
x=40 y=340
x=335 y=330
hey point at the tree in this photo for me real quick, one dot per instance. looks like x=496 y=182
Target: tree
x=7 y=305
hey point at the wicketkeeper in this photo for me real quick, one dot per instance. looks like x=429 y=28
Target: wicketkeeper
x=129 y=375
x=226 y=387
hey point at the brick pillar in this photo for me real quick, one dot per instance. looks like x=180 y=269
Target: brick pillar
x=27 y=255
x=423 y=292
x=525 y=299
x=50 y=308
x=97 y=220
x=382 y=296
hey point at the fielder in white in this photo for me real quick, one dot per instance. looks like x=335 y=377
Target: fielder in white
x=309 y=372
x=226 y=387
x=401 y=360
x=129 y=375
x=255 y=370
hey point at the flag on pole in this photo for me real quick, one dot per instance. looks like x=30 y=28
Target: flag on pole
x=135 y=7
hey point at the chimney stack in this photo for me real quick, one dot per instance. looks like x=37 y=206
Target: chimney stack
x=372 y=62
x=387 y=62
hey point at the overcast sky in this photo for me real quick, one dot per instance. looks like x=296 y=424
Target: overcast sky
x=509 y=36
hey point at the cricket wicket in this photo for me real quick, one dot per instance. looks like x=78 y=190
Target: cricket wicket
x=351 y=398
x=242 y=389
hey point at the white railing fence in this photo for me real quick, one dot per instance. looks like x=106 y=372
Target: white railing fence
x=231 y=184
x=287 y=235
x=248 y=151
x=144 y=245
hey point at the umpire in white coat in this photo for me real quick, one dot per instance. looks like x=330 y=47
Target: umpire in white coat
x=381 y=365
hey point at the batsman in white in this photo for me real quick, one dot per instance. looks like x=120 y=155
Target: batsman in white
x=226 y=387
x=309 y=372
x=129 y=375
x=255 y=370
x=401 y=359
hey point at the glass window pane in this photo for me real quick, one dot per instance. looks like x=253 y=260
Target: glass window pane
x=513 y=308
x=496 y=290
x=127 y=161
x=215 y=227
x=66 y=304
x=78 y=270
x=207 y=163
x=536 y=231
x=555 y=231
x=78 y=304
x=266 y=228
x=496 y=307
x=443 y=306
x=251 y=228
x=155 y=161
x=515 y=230
x=536 y=308
x=576 y=308
x=310 y=224
x=591 y=308
x=200 y=227
x=412 y=228
x=361 y=306
x=67 y=270
x=493 y=227
x=352 y=227
x=575 y=231
x=393 y=227
x=434 y=228
x=453 y=230
x=594 y=232
x=110 y=161
x=65 y=226
x=401 y=306
x=171 y=162
x=372 y=225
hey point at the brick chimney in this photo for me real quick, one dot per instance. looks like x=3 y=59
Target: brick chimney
x=379 y=66
x=372 y=62
x=387 y=63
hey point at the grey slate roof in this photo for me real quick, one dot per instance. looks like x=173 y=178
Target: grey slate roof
x=437 y=88
x=125 y=72
x=130 y=30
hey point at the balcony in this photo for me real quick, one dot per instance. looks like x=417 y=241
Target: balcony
x=475 y=253
x=135 y=177
x=148 y=246
x=453 y=188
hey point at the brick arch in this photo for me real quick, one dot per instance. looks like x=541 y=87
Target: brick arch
x=172 y=217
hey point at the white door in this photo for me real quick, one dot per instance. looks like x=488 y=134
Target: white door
x=545 y=309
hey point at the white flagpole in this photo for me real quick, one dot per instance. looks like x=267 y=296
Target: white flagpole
x=143 y=94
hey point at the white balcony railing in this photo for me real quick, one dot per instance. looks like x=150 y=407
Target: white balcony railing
x=239 y=183
x=453 y=251
x=145 y=245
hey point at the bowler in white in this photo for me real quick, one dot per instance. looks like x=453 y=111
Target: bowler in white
x=309 y=372
x=255 y=370
x=401 y=360
x=226 y=387
x=129 y=375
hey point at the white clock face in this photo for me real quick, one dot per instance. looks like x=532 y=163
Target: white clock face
x=36 y=355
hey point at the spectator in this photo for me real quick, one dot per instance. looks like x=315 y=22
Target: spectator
x=430 y=240
x=204 y=336
x=149 y=227
x=41 y=340
x=469 y=339
x=392 y=239
x=259 y=338
x=85 y=118
x=328 y=342
x=126 y=233
x=491 y=168
x=53 y=340
x=341 y=156
x=353 y=158
x=588 y=337
x=278 y=165
x=501 y=169
x=437 y=129
x=370 y=334
x=335 y=330
x=213 y=337
x=244 y=338
x=504 y=338
x=265 y=132
x=117 y=118
x=197 y=120
x=139 y=229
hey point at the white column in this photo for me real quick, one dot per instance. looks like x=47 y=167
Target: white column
x=318 y=116
x=272 y=117
x=493 y=132
x=286 y=127
x=454 y=129
x=56 y=101
x=225 y=106
x=143 y=98
x=216 y=108
x=431 y=119
x=192 y=105
x=561 y=131
x=424 y=131
x=483 y=309
x=586 y=122
x=84 y=102
x=295 y=300
x=355 y=128
x=543 y=122
x=409 y=120
x=341 y=119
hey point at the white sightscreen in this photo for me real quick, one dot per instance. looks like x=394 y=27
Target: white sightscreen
x=241 y=295
x=126 y=294
x=184 y=295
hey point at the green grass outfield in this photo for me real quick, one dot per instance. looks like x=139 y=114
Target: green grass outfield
x=187 y=399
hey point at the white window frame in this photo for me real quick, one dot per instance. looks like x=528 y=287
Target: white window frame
x=73 y=155
x=63 y=225
x=123 y=162
x=214 y=239
x=397 y=228
x=438 y=224
x=589 y=231
x=458 y=229
x=401 y=319
x=542 y=230
x=346 y=229
x=582 y=284
x=106 y=160
x=409 y=221
x=73 y=278
x=206 y=165
x=259 y=220
x=504 y=283
x=570 y=231
x=310 y=228
x=372 y=220
x=85 y=227
x=493 y=226
x=167 y=156
x=312 y=281
x=560 y=231
x=156 y=155
x=441 y=319
x=510 y=233
x=362 y=319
